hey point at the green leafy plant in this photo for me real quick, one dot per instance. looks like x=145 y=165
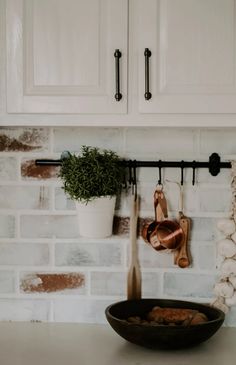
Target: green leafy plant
x=93 y=173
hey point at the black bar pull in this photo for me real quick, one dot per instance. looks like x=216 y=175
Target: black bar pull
x=117 y=55
x=194 y=170
x=147 y=54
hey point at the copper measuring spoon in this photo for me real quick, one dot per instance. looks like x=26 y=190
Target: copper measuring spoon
x=182 y=258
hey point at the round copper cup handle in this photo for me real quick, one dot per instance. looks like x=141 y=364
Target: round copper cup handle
x=147 y=231
x=150 y=237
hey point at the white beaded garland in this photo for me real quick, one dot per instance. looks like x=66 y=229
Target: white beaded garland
x=226 y=248
x=226 y=226
x=224 y=289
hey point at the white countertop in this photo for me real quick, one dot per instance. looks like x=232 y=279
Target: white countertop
x=87 y=344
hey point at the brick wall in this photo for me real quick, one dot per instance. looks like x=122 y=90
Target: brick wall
x=49 y=273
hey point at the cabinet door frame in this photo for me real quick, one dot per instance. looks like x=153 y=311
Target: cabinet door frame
x=24 y=97
x=186 y=98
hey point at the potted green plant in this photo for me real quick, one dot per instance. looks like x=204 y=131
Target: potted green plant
x=93 y=179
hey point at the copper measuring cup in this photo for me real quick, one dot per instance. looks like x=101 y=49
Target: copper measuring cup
x=162 y=234
x=169 y=234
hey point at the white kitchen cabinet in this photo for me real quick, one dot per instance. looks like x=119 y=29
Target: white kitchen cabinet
x=60 y=60
x=60 y=56
x=192 y=63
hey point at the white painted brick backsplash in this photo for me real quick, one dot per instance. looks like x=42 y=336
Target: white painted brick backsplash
x=49 y=226
x=88 y=254
x=149 y=258
x=25 y=254
x=108 y=283
x=39 y=232
x=72 y=139
x=207 y=256
x=217 y=140
x=203 y=176
x=7 y=226
x=215 y=199
x=24 y=310
x=159 y=142
x=82 y=310
x=203 y=229
x=24 y=197
x=62 y=201
x=7 y=282
x=8 y=168
x=114 y=283
x=189 y=285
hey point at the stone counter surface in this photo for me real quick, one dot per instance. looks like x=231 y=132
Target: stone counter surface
x=88 y=344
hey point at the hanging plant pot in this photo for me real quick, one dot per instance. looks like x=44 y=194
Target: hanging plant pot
x=95 y=218
x=93 y=179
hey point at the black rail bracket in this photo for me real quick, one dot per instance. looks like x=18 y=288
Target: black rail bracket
x=214 y=164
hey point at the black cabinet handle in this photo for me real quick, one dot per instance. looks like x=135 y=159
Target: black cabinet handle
x=117 y=55
x=147 y=54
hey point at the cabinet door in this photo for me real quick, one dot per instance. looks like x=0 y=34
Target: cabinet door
x=60 y=56
x=192 y=65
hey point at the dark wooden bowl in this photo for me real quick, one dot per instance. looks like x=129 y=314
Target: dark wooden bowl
x=162 y=336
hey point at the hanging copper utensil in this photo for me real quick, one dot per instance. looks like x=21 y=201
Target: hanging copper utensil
x=150 y=227
x=183 y=259
x=168 y=232
x=160 y=214
x=162 y=234
x=134 y=273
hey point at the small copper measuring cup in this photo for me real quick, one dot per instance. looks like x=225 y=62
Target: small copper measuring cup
x=162 y=234
x=169 y=234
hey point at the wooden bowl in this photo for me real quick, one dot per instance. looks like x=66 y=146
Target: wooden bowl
x=162 y=336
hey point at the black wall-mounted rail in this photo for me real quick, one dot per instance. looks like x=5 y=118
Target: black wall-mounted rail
x=214 y=164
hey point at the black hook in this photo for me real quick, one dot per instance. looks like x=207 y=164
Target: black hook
x=134 y=180
x=124 y=183
x=182 y=173
x=160 y=167
x=194 y=170
x=130 y=172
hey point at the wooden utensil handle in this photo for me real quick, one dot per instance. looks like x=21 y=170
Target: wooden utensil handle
x=183 y=259
x=133 y=224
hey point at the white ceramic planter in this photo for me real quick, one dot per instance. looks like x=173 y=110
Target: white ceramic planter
x=96 y=217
